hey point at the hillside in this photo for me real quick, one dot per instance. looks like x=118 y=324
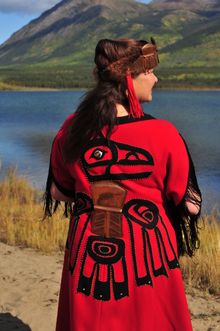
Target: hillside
x=64 y=37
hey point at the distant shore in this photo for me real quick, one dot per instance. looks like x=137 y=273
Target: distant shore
x=16 y=88
x=11 y=88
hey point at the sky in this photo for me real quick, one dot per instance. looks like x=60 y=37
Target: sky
x=14 y=14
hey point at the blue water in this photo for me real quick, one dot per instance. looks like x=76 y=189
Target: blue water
x=29 y=120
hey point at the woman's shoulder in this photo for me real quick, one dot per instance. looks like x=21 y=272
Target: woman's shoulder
x=63 y=130
x=162 y=124
x=166 y=133
x=167 y=125
x=67 y=122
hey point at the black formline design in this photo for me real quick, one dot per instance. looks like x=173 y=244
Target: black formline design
x=114 y=147
x=136 y=204
x=102 y=289
x=83 y=205
x=150 y=225
x=85 y=283
x=120 y=289
x=72 y=230
x=162 y=270
x=73 y=263
x=148 y=279
x=109 y=252
x=140 y=280
x=171 y=263
x=133 y=250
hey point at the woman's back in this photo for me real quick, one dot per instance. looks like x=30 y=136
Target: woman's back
x=138 y=153
x=136 y=273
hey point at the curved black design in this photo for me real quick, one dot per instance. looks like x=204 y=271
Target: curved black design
x=83 y=206
x=152 y=249
x=104 y=264
x=143 y=212
x=106 y=159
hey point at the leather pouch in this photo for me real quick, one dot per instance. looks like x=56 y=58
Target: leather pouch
x=108 y=198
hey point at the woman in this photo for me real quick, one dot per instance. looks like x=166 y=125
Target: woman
x=136 y=202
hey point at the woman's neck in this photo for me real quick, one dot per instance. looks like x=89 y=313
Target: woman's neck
x=121 y=110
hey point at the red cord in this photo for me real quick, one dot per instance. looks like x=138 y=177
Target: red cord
x=135 y=108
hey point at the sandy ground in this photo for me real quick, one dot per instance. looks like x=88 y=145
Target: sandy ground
x=29 y=289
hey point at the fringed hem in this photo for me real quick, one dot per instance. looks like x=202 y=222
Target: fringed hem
x=186 y=228
x=185 y=223
x=50 y=204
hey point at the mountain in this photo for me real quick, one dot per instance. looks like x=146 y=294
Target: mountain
x=187 y=32
x=192 y=4
x=67 y=28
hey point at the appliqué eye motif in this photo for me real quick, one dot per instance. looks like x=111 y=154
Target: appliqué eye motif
x=98 y=154
x=132 y=155
x=148 y=215
x=106 y=159
x=143 y=212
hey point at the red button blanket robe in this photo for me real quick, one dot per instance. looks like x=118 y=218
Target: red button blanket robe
x=132 y=283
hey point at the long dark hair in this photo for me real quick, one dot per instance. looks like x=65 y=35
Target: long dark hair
x=98 y=107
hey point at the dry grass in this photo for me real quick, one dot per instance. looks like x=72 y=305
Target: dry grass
x=21 y=215
x=21 y=224
x=203 y=269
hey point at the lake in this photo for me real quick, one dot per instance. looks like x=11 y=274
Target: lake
x=29 y=121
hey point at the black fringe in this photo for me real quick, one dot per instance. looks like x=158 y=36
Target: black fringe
x=185 y=224
x=51 y=205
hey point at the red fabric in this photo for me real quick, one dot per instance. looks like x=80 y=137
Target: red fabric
x=135 y=109
x=60 y=169
x=161 y=305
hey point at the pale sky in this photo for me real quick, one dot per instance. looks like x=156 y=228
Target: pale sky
x=14 y=14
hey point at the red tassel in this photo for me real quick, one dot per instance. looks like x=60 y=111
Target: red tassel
x=135 y=108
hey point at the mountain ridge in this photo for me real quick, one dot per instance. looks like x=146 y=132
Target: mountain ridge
x=183 y=3
x=187 y=33
x=66 y=6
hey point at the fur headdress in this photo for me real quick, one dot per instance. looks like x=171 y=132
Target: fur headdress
x=138 y=60
x=145 y=58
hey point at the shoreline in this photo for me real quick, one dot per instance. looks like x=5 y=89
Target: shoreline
x=48 y=89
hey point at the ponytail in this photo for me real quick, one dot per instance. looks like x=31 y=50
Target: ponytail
x=97 y=109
